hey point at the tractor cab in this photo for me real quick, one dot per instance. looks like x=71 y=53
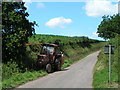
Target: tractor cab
x=48 y=49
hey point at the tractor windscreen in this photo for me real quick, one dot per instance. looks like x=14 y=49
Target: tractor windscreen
x=47 y=50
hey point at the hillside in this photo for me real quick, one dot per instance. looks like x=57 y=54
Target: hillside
x=70 y=46
x=62 y=40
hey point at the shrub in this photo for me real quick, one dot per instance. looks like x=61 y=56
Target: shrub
x=9 y=69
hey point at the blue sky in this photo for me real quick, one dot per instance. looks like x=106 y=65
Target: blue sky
x=70 y=18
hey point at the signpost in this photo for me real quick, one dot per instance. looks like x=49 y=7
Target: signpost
x=109 y=49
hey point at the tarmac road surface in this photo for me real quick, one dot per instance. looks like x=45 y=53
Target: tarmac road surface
x=78 y=75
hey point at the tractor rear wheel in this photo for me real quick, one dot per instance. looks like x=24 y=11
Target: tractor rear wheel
x=48 y=68
x=57 y=65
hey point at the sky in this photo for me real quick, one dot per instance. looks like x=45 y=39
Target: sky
x=80 y=18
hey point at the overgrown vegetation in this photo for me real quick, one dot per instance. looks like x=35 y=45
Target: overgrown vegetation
x=101 y=68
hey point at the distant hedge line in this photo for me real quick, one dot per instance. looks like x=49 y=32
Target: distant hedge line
x=61 y=40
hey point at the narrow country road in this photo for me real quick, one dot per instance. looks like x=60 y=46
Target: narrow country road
x=79 y=75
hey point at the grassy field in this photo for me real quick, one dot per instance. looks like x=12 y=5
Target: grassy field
x=74 y=49
x=101 y=68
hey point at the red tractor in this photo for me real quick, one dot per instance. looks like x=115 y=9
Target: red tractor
x=50 y=57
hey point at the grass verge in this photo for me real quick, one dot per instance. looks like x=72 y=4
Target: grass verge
x=21 y=78
x=101 y=74
x=100 y=79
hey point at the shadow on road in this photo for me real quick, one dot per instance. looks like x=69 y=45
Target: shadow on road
x=64 y=69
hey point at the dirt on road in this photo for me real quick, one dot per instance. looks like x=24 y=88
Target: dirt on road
x=78 y=75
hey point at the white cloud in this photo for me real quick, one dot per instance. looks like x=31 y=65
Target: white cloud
x=92 y=37
x=97 y=8
x=95 y=33
x=27 y=3
x=40 y=5
x=59 y=22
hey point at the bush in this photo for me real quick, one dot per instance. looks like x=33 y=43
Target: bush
x=10 y=69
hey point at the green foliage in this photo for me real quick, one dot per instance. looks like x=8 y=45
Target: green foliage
x=15 y=30
x=109 y=27
x=9 y=70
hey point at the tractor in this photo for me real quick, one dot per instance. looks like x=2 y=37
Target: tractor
x=50 y=57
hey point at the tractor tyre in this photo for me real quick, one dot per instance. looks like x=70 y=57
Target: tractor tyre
x=57 y=65
x=49 y=68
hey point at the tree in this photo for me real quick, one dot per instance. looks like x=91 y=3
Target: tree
x=109 y=27
x=16 y=29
